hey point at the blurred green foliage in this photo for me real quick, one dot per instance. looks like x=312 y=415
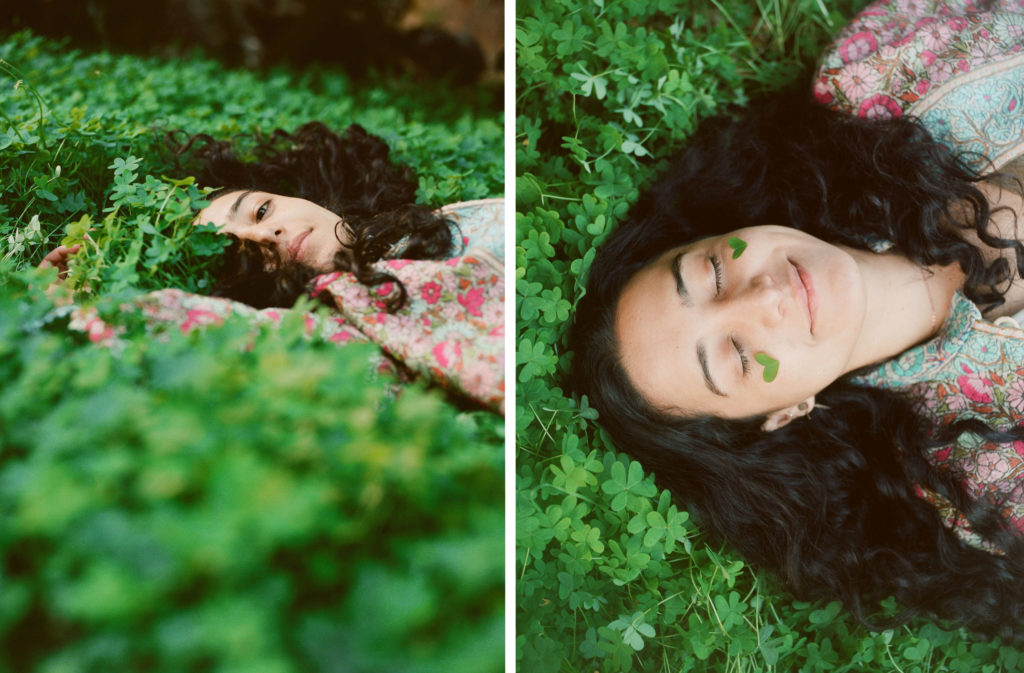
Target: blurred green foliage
x=240 y=498
x=611 y=575
x=236 y=500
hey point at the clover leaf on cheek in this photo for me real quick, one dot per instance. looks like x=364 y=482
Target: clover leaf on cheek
x=738 y=245
x=770 y=364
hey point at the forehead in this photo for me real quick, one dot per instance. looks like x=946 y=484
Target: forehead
x=657 y=335
x=220 y=206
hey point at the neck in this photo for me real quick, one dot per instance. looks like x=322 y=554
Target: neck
x=905 y=304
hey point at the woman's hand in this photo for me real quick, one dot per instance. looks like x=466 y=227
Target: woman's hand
x=58 y=257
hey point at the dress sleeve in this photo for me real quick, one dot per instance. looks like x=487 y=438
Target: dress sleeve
x=957 y=68
x=983 y=379
x=451 y=330
x=173 y=309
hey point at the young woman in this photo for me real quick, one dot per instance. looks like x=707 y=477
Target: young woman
x=332 y=216
x=793 y=331
x=315 y=202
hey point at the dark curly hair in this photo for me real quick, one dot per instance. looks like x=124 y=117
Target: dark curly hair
x=827 y=502
x=350 y=175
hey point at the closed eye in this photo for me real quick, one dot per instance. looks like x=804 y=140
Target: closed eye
x=744 y=360
x=716 y=264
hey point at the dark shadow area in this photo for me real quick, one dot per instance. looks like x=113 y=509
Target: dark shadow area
x=454 y=40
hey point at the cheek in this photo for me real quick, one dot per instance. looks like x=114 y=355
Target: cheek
x=814 y=371
x=323 y=251
x=803 y=371
x=235 y=231
x=327 y=242
x=204 y=217
x=324 y=235
x=841 y=302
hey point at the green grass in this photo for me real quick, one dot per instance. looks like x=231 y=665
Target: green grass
x=611 y=575
x=236 y=499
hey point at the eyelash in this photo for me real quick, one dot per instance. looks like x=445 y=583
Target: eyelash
x=744 y=361
x=716 y=264
x=261 y=212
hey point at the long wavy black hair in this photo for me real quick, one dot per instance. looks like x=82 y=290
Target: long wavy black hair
x=351 y=175
x=827 y=502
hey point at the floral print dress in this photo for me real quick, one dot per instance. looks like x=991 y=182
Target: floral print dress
x=958 y=67
x=451 y=330
x=973 y=369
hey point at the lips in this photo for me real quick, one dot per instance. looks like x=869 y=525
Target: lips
x=807 y=294
x=296 y=245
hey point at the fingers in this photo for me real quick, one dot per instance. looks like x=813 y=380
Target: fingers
x=58 y=257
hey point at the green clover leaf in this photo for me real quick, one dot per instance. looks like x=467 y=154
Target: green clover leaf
x=770 y=364
x=738 y=245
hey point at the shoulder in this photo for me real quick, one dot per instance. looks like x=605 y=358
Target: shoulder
x=955 y=66
x=481 y=224
x=973 y=369
x=493 y=208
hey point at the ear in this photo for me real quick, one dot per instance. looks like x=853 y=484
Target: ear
x=782 y=417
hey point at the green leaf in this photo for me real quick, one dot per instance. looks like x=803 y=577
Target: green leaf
x=738 y=245
x=770 y=364
x=184 y=182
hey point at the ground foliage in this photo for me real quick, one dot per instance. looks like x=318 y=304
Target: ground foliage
x=611 y=575
x=84 y=136
x=236 y=499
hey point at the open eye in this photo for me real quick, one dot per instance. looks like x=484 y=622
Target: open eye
x=716 y=264
x=262 y=210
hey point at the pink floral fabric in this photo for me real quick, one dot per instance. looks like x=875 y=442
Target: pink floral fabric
x=450 y=331
x=957 y=65
x=973 y=369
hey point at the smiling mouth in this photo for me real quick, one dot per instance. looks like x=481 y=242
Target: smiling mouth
x=296 y=245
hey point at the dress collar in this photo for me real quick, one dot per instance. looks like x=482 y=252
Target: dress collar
x=925 y=359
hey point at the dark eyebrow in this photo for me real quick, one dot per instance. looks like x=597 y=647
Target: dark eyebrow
x=677 y=271
x=238 y=202
x=702 y=357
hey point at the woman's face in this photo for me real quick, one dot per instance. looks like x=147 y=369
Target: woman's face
x=691 y=324
x=296 y=230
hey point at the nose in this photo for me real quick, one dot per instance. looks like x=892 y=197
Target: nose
x=265 y=233
x=761 y=301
